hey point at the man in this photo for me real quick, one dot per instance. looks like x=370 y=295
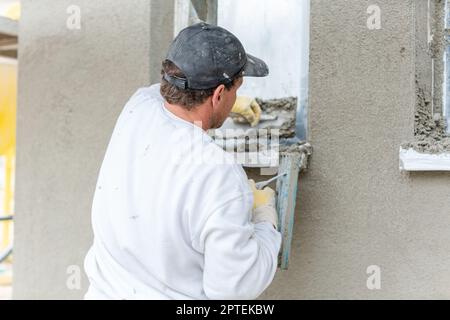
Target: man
x=174 y=216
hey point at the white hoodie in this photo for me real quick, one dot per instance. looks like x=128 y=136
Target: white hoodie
x=171 y=214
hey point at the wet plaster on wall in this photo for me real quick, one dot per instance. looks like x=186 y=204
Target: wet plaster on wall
x=72 y=86
x=430 y=132
x=429 y=123
x=284 y=109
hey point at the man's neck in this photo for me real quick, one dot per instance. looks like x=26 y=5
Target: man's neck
x=196 y=115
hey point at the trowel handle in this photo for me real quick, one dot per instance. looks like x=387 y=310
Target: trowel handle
x=262 y=184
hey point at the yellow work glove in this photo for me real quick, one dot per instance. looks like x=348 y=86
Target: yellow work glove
x=248 y=108
x=263 y=205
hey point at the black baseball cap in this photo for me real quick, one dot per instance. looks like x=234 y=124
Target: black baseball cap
x=209 y=56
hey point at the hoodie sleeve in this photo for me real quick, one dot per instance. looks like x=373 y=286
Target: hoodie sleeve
x=240 y=258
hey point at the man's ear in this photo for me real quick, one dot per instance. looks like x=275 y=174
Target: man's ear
x=218 y=95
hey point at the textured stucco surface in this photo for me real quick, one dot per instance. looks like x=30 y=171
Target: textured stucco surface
x=355 y=208
x=72 y=86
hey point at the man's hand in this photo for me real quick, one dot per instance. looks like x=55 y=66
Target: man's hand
x=264 y=205
x=248 y=108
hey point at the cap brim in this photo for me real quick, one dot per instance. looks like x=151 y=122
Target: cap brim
x=255 y=67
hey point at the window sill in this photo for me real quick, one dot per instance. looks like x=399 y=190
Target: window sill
x=411 y=160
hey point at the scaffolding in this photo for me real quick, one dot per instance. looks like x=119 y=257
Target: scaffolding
x=8 y=37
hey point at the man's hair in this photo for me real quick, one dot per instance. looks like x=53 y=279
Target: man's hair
x=188 y=98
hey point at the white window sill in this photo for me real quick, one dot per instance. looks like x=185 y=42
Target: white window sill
x=411 y=160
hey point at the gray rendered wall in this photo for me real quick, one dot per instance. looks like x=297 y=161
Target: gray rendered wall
x=72 y=86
